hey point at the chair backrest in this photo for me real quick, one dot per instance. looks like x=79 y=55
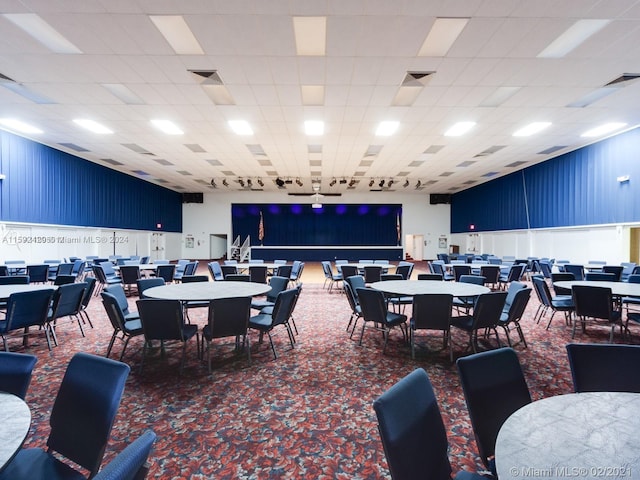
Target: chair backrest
x=38 y=273
x=633 y=278
x=4 y=271
x=372 y=273
x=514 y=287
x=604 y=367
x=432 y=311
x=545 y=268
x=195 y=278
x=64 y=279
x=258 y=274
x=129 y=274
x=437 y=268
x=283 y=308
x=118 y=291
x=166 y=272
x=25 y=309
x=277 y=284
x=98 y=272
x=515 y=272
x=518 y=305
x=190 y=268
x=107 y=268
x=144 y=260
x=430 y=276
x=85 y=408
x=459 y=270
x=577 y=270
x=228 y=270
x=161 y=319
x=491 y=273
x=615 y=269
x=284 y=271
x=88 y=292
x=229 y=317
x=561 y=277
x=114 y=312
x=542 y=289
x=390 y=276
x=473 y=279
x=129 y=464
x=412 y=431
x=404 y=270
x=67 y=300
x=146 y=283
x=600 y=277
x=351 y=298
x=15 y=372
x=65 y=269
x=237 y=277
x=594 y=302
x=373 y=305
x=488 y=309
x=326 y=269
x=14 y=280
x=215 y=271
x=349 y=271
x=494 y=387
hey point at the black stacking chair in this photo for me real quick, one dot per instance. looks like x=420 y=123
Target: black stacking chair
x=15 y=372
x=604 y=368
x=375 y=312
x=432 y=312
x=485 y=317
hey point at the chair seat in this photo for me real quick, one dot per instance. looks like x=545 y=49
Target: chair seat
x=401 y=300
x=394 y=319
x=133 y=327
x=198 y=303
x=631 y=300
x=36 y=463
x=464 y=322
x=562 y=302
x=132 y=316
x=261 y=321
x=261 y=304
x=188 y=330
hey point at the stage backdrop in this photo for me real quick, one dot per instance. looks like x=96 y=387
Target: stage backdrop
x=332 y=225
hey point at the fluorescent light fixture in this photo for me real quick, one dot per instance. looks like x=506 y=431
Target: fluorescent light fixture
x=387 y=128
x=44 y=33
x=572 y=37
x=240 y=127
x=314 y=127
x=176 y=31
x=593 y=96
x=312 y=94
x=27 y=93
x=311 y=35
x=405 y=96
x=603 y=129
x=92 y=126
x=167 y=126
x=19 y=126
x=219 y=94
x=443 y=33
x=459 y=129
x=531 y=129
x=123 y=93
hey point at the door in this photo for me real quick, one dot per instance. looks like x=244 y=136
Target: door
x=634 y=248
x=217 y=246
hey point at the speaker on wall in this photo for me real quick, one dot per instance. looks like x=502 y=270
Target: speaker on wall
x=195 y=197
x=437 y=198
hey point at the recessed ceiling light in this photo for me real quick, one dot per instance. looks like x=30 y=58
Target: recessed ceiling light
x=531 y=129
x=19 y=125
x=167 y=126
x=311 y=35
x=92 y=126
x=459 y=128
x=572 y=37
x=240 y=127
x=176 y=31
x=314 y=127
x=443 y=33
x=35 y=26
x=387 y=128
x=312 y=94
x=603 y=129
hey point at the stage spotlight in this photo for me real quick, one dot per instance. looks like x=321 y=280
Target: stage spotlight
x=406 y=183
x=288 y=181
x=352 y=182
x=389 y=183
x=279 y=182
x=249 y=182
x=260 y=182
x=241 y=182
x=381 y=184
x=371 y=182
x=343 y=181
x=213 y=183
x=419 y=184
x=332 y=183
x=224 y=182
x=298 y=182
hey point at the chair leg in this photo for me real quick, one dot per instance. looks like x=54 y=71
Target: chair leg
x=273 y=347
x=124 y=347
x=113 y=339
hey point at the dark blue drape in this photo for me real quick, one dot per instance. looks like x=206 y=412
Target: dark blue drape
x=333 y=224
x=44 y=185
x=577 y=188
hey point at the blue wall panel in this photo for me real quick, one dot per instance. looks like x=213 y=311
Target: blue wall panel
x=577 y=188
x=44 y=185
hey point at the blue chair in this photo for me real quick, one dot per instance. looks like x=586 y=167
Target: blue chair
x=514 y=313
x=277 y=284
x=130 y=463
x=413 y=434
x=166 y=272
x=604 y=368
x=494 y=387
x=117 y=290
x=215 y=271
x=432 y=312
x=375 y=312
x=485 y=318
x=577 y=270
x=146 y=283
x=81 y=420
x=127 y=328
x=26 y=309
x=280 y=315
x=15 y=372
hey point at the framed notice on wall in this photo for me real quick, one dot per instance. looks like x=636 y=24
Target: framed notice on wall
x=442 y=242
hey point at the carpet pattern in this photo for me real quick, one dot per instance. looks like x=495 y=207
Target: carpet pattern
x=307 y=414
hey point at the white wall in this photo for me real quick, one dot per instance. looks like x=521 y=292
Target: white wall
x=35 y=243
x=610 y=243
x=214 y=216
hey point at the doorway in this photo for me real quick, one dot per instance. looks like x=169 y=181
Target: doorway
x=217 y=246
x=634 y=245
x=414 y=245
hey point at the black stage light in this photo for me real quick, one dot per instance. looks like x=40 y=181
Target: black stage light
x=389 y=183
x=279 y=182
x=371 y=183
x=406 y=183
x=298 y=182
x=332 y=183
x=419 y=184
x=260 y=182
x=213 y=183
x=381 y=184
x=343 y=181
x=241 y=182
x=224 y=182
x=288 y=181
x=249 y=182
x=352 y=182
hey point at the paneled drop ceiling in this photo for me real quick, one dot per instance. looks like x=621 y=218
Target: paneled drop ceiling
x=276 y=64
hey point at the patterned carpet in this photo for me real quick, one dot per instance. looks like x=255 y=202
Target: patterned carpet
x=305 y=415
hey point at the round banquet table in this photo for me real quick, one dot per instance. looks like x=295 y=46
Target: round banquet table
x=622 y=289
x=581 y=435
x=418 y=287
x=15 y=418
x=201 y=291
x=7 y=290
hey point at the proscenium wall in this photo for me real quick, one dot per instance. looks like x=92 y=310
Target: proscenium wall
x=214 y=216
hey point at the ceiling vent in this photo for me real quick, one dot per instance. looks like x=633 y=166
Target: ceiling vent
x=550 y=150
x=416 y=79
x=490 y=150
x=623 y=80
x=207 y=77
